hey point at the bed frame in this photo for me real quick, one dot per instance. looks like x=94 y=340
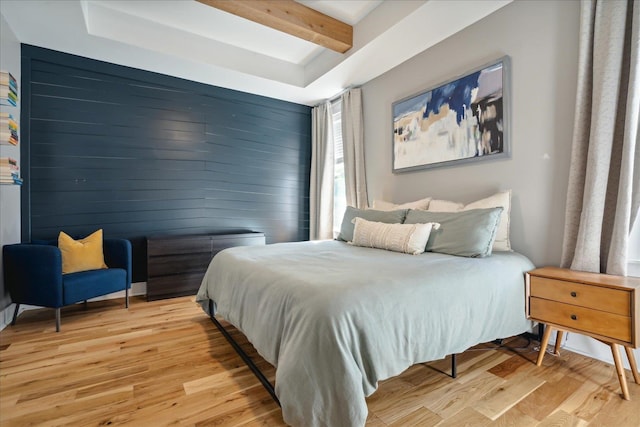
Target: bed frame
x=258 y=373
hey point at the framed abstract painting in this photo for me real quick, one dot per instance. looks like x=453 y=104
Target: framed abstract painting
x=462 y=120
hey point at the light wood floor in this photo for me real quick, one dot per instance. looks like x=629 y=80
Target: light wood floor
x=164 y=363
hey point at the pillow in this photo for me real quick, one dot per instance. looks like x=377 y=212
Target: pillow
x=466 y=233
x=389 y=217
x=81 y=255
x=437 y=205
x=502 y=199
x=381 y=205
x=406 y=238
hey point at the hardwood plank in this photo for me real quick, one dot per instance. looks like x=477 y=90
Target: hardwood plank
x=420 y=417
x=164 y=363
x=373 y=421
x=472 y=369
x=562 y=419
x=514 y=418
x=620 y=412
x=546 y=398
x=510 y=367
x=270 y=419
x=503 y=397
x=586 y=402
x=448 y=401
x=404 y=403
x=468 y=417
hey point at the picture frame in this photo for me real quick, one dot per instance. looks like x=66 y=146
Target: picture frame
x=462 y=120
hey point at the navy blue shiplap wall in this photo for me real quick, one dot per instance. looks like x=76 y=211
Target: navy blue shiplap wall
x=138 y=153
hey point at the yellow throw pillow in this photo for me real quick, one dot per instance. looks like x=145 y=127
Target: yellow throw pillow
x=81 y=255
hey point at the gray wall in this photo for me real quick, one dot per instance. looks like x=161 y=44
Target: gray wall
x=542 y=40
x=9 y=194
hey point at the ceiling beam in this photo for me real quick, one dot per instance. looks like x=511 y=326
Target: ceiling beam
x=292 y=18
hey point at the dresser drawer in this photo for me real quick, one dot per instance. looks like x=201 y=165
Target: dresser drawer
x=582 y=319
x=600 y=298
x=173 y=245
x=176 y=264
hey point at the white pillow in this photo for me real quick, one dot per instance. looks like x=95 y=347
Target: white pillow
x=502 y=199
x=421 y=204
x=444 y=206
x=406 y=238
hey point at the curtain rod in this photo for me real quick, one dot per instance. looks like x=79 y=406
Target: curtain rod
x=339 y=94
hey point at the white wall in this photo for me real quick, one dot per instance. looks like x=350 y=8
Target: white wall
x=542 y=40
x=9 y=194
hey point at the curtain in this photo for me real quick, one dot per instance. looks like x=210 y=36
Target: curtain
x=322 y=171
x=353 y=146
x=604 y=176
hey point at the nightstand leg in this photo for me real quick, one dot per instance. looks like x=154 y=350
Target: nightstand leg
x=556 y=348
x=620 y=369
x=543 y=344
x=632 y=364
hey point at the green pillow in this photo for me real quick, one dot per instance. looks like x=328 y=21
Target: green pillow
x=389 y=217
x=465 y=233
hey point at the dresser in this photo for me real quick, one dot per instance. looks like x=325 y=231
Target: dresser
x=176 y=264
x=601 y=306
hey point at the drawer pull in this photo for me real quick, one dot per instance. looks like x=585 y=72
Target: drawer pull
x=573 y=294
x=574 y=317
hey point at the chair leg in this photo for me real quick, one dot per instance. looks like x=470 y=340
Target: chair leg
x=86 y=304
x=15 y=314
x=620 y=369
x=543 y=344
x=58 y=319
x=556 y=348
x=632 y=364
x=126 y=297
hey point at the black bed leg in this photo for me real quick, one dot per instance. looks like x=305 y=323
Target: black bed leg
x=540 y=331
x=265 y=382
x=454 y=372
x=15 y=314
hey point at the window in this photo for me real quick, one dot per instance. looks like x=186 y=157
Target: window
x=339 y=195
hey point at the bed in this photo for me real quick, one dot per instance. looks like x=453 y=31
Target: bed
x=335 y=319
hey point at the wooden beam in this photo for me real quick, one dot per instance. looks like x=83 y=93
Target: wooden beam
x=292 y=18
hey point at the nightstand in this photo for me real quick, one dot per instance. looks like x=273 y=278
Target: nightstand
x=601 y=306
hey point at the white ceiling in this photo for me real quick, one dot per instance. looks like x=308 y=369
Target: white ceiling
x=187 y=39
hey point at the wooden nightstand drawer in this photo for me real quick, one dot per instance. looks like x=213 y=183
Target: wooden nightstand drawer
x=603 y=306
x=582 y=319
x=600 y=298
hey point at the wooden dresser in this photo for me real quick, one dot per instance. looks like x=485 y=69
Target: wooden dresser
x=176 y=264
x=601 y=306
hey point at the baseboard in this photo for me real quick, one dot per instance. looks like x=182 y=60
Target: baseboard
x=6 y=316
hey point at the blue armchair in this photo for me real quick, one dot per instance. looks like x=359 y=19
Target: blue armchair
x=33 y=275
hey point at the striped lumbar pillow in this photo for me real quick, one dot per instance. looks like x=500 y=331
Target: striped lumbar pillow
x=407 y=238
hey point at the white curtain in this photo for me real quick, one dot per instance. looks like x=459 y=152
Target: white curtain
x=604 y=177
x=353 y=146
x=322 y=167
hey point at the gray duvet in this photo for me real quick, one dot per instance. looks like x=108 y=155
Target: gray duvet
x=335 y=319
